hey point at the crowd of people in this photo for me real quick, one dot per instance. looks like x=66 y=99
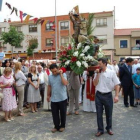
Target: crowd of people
x=36 y=85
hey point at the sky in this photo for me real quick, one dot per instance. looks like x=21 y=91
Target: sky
x=127 y=12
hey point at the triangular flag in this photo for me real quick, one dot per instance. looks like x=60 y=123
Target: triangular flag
x=35 y=20
x=24 y=15
x=16 y=11
x=9 y=6
x=76 y=8
x=21 y=17
x=38 y=21
x=45 y=22
x=42 y=21
x=27 y=19
x=13 y=10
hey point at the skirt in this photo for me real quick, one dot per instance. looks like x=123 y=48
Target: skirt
x=9 y=101
x=33 y=94
x=137 y=92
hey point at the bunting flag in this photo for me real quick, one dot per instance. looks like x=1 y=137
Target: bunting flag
x=35 y=20
x=76 y=8
x=38 y=21
x=27 y=19
x=21 y=15
x=16 y=11
x=9 y=6
x=42 y=21
x=24 y=15
x=0 y=4
x=12 y=10
x=45 y=22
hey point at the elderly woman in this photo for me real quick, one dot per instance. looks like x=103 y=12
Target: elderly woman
x=20 y=84
x=9 y=99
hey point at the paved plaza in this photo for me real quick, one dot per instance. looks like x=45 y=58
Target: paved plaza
x=37 y=126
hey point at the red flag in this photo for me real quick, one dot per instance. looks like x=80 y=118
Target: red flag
x=35 y=20
x=21 y=17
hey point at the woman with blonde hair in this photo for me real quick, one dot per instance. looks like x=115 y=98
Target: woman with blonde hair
x=33 y=90
x=9 y=99
x=20 y=84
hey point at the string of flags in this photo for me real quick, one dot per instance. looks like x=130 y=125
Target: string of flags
x=24 y=17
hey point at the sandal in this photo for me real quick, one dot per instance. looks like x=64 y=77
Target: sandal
x=11 y=119
x=7 y=120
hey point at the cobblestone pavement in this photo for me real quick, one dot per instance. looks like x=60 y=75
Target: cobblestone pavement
x=37 y=126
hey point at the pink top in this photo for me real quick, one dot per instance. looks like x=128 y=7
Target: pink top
x=4 y=80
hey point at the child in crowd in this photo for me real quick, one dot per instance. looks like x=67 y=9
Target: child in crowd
x=136 y=81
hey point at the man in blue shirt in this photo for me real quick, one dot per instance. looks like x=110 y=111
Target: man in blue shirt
x=2 y=54
x=58 y=94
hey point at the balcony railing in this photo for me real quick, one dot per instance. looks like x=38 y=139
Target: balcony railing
x=136 y=47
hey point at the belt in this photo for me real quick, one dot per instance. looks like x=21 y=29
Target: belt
x=42 y=84
x=104 y=93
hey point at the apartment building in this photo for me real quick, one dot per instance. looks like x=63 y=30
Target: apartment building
x=104 y=29
x=127 y=43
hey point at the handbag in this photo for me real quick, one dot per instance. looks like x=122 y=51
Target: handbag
x=13 y=91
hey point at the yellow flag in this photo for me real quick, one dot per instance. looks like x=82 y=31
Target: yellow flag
x=45 y=22
x=76 y=8
x=27 y=19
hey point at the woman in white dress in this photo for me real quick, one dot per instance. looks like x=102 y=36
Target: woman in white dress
x=88 y=99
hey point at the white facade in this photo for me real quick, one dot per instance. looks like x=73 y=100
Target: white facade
x=104 y=29
x=27 y=36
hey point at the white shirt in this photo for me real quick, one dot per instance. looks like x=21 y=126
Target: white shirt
x=107 y=80
x=110 y=67
x=41 y=77
x=134 y=68
x=20 y=78
x=116 y=69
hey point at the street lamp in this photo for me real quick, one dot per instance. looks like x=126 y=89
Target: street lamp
x=55 y=32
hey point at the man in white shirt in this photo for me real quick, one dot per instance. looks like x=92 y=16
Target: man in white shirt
x=105 y=83
x=115 y=67
x=135 y=66
x=42 y=77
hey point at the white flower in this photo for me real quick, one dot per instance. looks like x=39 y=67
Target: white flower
x=75 y=54
x=89 y=58
x=85 y=64
x=78 y=63
x=100 y=54
x=86 y=49
x=82 y=54
x=79 y=45
x=72 y=44
x=67 y=62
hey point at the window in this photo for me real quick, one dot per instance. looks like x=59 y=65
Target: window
x=18 y=29
x=32 y=28
x=64 y=25
x=102 y=39
x=49 y=26
x=101 y=22
x=138 y=43
x=2 y=30
x=64 y=41
x=49 y=42
x=123 y=43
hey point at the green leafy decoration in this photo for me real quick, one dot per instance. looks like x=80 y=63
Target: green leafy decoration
x=90 y=19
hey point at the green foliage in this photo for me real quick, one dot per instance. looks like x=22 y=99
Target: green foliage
x=33 y=45
x=90 y=29
x=13 y=37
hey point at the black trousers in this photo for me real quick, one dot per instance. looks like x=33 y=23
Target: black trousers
x=106 y=101
x=128 y=91
x=59 y=110
x=42 y=90
x=26 y=92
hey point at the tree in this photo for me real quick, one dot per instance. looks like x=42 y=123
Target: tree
x=13 y=37
x=33 y=44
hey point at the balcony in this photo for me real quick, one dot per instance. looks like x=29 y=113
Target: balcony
x=136 y=50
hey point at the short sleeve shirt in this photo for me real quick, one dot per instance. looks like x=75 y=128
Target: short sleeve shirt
x=2 y=55
x=58 y=90
x=107 y=80
x=136 y=79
